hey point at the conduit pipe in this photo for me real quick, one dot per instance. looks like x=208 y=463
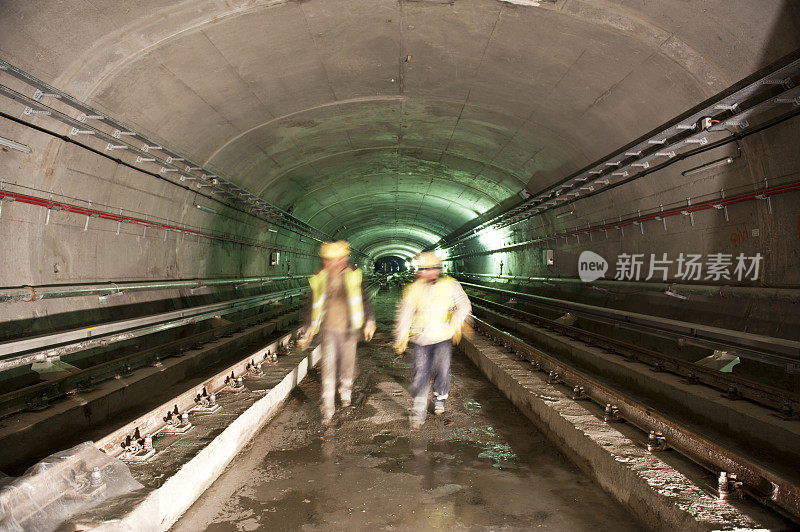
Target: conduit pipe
x=35 y=293
x=791 y=295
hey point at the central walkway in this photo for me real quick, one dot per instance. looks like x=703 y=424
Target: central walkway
x=481 y=465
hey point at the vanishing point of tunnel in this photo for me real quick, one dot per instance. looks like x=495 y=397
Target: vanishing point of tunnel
x=612 y=185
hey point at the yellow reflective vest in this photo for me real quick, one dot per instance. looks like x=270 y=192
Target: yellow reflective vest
x=319 y=288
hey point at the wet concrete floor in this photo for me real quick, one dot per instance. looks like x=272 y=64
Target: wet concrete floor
x=480 y=465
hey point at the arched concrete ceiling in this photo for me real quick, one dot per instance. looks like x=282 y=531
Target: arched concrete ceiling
x=378 y=119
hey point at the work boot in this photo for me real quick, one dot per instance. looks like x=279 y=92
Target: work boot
x=415 y=421
x=345 y=399
x=438 y=407
x=417 y=416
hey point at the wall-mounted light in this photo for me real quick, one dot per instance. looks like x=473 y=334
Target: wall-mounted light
x=14 y=145
x=708 y=166
x=206 y=209
x=566 y=213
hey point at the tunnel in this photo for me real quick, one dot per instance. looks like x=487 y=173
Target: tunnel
x=613 y=183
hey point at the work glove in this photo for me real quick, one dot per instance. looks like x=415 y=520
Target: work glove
x=305 y=340
x=369 y=330
x=456 y=335
x=400 y=346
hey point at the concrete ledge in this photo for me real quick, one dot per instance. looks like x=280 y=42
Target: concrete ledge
x=27 y=436
x=661 y=497
x=160 y=508
x=756 y=430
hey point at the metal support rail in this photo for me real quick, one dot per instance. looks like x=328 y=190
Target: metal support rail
x=655 y=214
x=736 y=107
x=150 y=152
x=41 y=348
x=763 y=484
x=733 y=292
x=36 y=293
x=788 y=403
x=41 y=393
x=8 y=196
x=776 y=351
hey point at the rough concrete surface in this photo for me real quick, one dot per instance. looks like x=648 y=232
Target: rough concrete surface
x=481 y=465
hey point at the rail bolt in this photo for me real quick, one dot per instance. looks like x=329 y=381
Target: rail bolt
x=611 y=413
x=578 y=393
x=656 y=442
x=728 y=485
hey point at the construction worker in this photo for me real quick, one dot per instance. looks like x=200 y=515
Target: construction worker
x=338 y=310
x=432 y=313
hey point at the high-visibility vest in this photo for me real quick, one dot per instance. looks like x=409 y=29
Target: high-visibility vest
x=433 y=306
x=319 y=288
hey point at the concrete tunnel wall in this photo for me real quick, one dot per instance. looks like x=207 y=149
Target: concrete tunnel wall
x=387 y=123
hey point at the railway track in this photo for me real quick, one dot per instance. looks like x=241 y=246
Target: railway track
x=737 y=472
x=786 y=403
x=780 y=352
x=39 y=395
x=206 y=354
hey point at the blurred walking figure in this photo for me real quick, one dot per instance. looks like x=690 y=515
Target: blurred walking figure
x=431 y=315
x=339 y=310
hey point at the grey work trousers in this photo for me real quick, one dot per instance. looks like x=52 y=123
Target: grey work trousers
x=338 y=358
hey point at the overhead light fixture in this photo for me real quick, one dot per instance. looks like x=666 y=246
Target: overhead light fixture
x=708 y=166
x=14 y=145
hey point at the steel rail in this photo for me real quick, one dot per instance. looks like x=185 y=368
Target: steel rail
x=776 y=351
x=43 y=392
x=152 y=422
x=17 y=353
x=784 y=401
x=39 y=292
x=765 y=485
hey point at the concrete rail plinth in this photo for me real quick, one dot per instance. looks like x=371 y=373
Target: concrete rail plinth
x=660 y=496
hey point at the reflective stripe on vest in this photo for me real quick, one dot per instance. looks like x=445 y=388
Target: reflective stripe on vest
x=319 y=286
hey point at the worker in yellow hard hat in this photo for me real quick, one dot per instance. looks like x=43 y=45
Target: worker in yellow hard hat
x=432 y=314
x=339 y=310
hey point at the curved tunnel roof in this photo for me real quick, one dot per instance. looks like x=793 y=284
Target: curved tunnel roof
x=393 y=123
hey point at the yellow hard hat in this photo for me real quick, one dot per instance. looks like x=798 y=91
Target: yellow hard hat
x=334 y=250
x=427 y=260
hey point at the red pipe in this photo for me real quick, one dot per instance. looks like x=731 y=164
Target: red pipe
x=75 y=209
x=748 y=196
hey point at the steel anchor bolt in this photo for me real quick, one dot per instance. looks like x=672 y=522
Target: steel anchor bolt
x=656 y=442
x=611 y=413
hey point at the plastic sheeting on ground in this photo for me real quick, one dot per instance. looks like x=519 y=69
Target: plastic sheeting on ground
x=60 y=486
